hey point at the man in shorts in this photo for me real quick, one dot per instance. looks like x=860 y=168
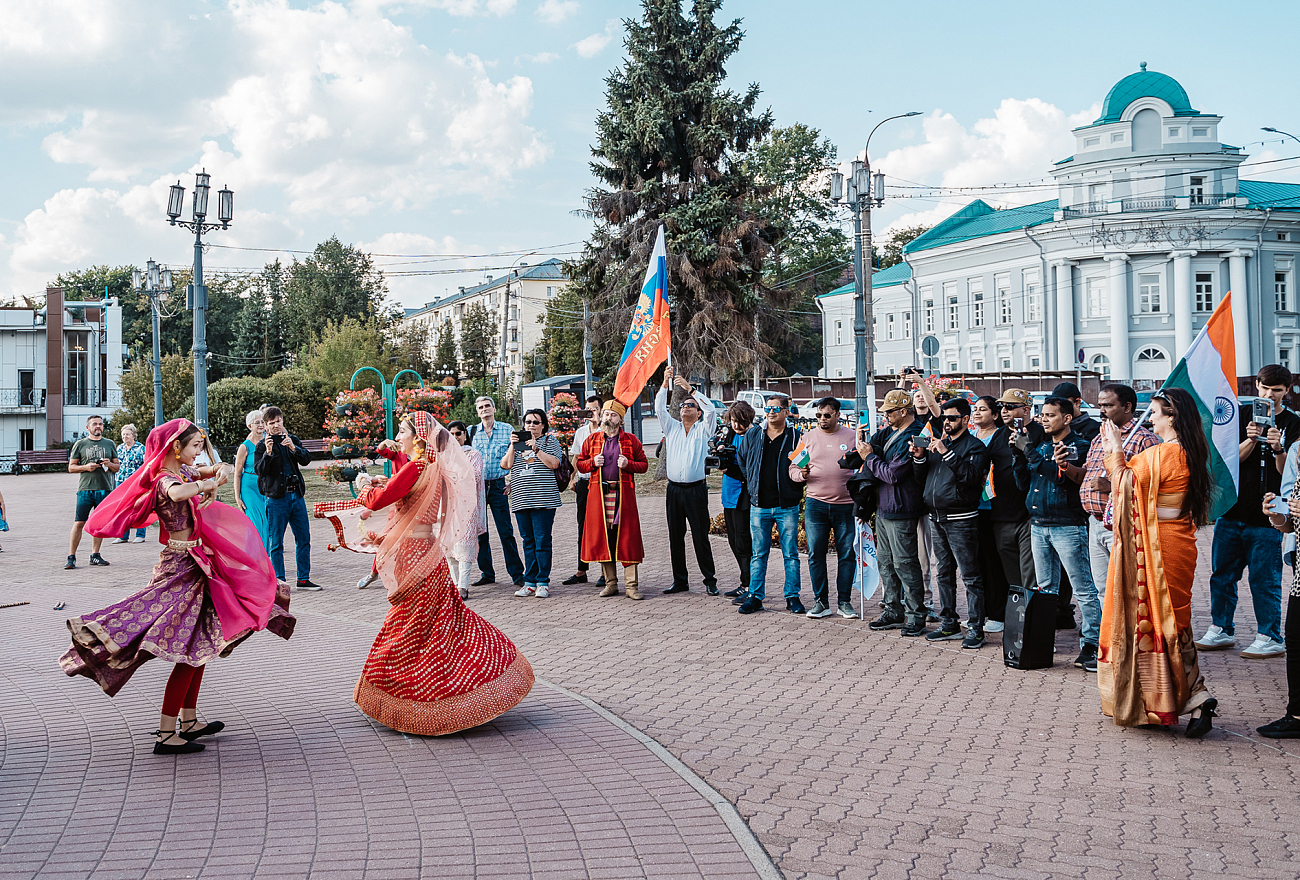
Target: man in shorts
x=94 y=457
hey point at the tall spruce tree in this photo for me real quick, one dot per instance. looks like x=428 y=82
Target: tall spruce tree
x=670 y=149
x=445 y=361
x=478 y=335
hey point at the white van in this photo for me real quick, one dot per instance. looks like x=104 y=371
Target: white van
x=758 y=400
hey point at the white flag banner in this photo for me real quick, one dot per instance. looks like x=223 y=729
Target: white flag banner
x=867 y=578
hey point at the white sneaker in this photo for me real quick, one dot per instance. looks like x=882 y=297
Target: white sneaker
x=1264 y=648
x=1215 y=639
x=118 y=541
x=367 y=580
x=994 y=626
x=525 y=592
x=541 y=593
x=138 y=539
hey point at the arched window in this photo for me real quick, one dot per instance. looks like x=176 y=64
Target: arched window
x=1101 y=366
x=1151 y=353
x=1151 y=362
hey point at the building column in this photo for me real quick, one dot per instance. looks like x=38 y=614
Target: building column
x=1182 y=301
x=1121 y=359
x=1241 y=311
x=1064 y=302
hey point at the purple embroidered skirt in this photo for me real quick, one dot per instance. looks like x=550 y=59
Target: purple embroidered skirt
x=172 y=618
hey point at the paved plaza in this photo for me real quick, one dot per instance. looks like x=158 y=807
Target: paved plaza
x=665 y=738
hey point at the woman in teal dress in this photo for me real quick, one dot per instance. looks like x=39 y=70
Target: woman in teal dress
x=251 y=501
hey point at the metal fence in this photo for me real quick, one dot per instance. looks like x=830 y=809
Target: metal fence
x=31 y=398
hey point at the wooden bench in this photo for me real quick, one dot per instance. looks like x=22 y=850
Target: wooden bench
x=31 y=457
x=316 y=447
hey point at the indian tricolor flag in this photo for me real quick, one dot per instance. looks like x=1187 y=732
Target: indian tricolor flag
x=800 y=457
x=1209 y=373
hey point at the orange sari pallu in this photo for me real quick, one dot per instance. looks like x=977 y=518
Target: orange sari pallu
x=1147 y=669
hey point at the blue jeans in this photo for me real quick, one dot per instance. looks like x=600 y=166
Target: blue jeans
x=1057 y=547
x=535 y=528
x=499 y=503
x=289 y=511
x=818 y=520
x=1238 y=546
x=761 y=520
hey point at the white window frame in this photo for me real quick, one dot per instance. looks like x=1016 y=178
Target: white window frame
x=907 y=325
x=977 y=366
x=1094 y=294
x=1282 y=287
x=954 y=314
x=839 y=332
x=1002 y=287
x=975 y=287
x=1035 y=362
x=1100 y=360
x=889 y=326
x=1005 y=364
x=1150 y=293
x=1033 y=301
x=1203 y=292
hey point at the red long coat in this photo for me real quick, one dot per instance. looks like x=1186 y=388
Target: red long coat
x=595 y=541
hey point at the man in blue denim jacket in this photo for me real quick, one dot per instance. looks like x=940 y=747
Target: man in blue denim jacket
x=1058 y=524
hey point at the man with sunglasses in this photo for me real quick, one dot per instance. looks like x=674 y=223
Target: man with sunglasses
x=686 y=446
x=764 y=456
x=828 y=506
x=953 y=468
x=580 y=485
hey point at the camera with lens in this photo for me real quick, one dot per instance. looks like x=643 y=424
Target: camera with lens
x=722 y=451
x=920 y=441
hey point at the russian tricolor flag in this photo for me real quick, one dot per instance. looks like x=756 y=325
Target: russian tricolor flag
x=649 y=342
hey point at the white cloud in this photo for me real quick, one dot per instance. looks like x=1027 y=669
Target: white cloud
x=76 y=28
x=556 y=11
x=1018 y=144
x=421 y=255
x=464 y=8
x=590 y=47
x=539 y=58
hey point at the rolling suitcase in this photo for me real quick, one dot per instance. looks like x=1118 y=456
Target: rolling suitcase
x=1030 y=633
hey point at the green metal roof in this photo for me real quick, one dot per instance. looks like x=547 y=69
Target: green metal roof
x=1144 y=84
x=895 y=274
x=977 y=220
x=1266 y=194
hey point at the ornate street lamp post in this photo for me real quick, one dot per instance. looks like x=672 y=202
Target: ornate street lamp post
x=157 y=284
x=197 y=298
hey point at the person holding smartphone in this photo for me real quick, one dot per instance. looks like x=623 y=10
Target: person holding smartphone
x=276 y=461
x=534 y=497
x=1058 y=524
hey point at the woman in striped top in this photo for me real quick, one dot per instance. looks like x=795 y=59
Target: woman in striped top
x=534 y=497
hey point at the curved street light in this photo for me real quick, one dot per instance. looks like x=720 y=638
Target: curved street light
x=1269 y=128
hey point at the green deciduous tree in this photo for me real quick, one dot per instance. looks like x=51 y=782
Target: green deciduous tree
x=891 y=253
x=412 y=345
x=670 y=149
x=337 y=281
x=137 y=390
x=478 y=335
x=340 y=349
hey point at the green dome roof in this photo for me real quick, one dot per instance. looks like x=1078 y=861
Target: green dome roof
x=1144 y=84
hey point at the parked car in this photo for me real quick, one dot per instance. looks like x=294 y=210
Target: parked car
x=1037 y=398
x=758 y=399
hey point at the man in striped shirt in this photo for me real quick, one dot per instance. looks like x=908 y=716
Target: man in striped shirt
x=492 y=439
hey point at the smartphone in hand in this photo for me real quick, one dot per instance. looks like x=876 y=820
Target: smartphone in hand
x=1280 y=506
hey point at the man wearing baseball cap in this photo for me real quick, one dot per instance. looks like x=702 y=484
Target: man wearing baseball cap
x=898 y=509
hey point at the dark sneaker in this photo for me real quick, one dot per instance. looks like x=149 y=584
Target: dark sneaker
x=96 y=559
x=72 y=563
x=943 y=634
x=819 y=610
x=974 y=639
x=579 y=578
x=740 y=599
x=1087 y=658
x=600 y=582
x=1285 y=727
x=309 y=587
x=846 y=611
x=484 y=581
x=884 y=622
x=731 y=594
x=712 y=591
x=794 y=606
x=749 y=606
x=912 y=630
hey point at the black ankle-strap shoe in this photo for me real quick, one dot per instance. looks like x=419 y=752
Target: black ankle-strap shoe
x=185 y=748
x=212 y=727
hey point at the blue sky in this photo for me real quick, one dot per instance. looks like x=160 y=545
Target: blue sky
x=453 y=127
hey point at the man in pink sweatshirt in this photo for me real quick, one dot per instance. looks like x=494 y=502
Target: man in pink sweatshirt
x=828 y=506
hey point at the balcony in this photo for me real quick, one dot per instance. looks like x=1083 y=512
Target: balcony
x=1086 y=209
x=111 y=399
x=26 y=399
x=1149 y=204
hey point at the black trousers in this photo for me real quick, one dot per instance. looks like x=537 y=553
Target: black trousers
x=991 y=568
x=581 y=488
x=1292 y=636
x=740 y=539
x=689 y=503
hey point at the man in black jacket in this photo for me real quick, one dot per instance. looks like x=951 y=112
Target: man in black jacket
x=954 y=468
x=1084 y=425
x=764 y=457
x=1010 y=516
x=276 y=463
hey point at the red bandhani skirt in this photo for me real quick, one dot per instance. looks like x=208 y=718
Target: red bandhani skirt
x=437 y=667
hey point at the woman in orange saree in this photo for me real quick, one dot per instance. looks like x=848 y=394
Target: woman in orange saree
x=1147 y=669
x=436 y=667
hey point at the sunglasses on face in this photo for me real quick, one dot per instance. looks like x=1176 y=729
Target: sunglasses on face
x=953 y=418
x=531 y=422
x=773 y=409
x=828 y=415
x=1011 y=406
x=689 y=405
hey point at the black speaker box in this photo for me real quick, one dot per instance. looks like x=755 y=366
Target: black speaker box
x=1030 y=632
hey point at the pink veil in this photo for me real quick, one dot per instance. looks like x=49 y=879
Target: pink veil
x=241 y=581
x=443 y=499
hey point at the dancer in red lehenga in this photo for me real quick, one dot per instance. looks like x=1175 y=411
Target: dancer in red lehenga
x=436 y=667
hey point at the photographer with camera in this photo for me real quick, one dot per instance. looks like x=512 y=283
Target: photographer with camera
x=735 y=494
x=898 y=509
x=1243 y=537
x=953 y=467
x=276 y=463
x=1058 y=524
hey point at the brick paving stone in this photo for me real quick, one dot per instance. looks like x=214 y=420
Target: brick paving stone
x=851 y=754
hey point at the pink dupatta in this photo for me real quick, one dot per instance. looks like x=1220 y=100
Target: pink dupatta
x=241 y=580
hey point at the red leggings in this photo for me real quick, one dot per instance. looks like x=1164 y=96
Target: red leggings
x=182 y=689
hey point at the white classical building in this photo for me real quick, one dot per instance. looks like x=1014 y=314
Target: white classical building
x=60 y=363
x=1151 y=226
x=528 y=290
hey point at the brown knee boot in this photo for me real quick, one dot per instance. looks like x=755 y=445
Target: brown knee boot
x=610 y=570
x=629 y=577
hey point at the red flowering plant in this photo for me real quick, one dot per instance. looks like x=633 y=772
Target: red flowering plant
x=356 y=423
x=565 y=415
x=435 y=401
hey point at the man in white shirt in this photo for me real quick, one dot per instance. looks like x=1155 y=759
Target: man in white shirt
x=686 y=445
x=585 y=430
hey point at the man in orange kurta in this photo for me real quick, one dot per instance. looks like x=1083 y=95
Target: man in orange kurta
x=611 y=532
